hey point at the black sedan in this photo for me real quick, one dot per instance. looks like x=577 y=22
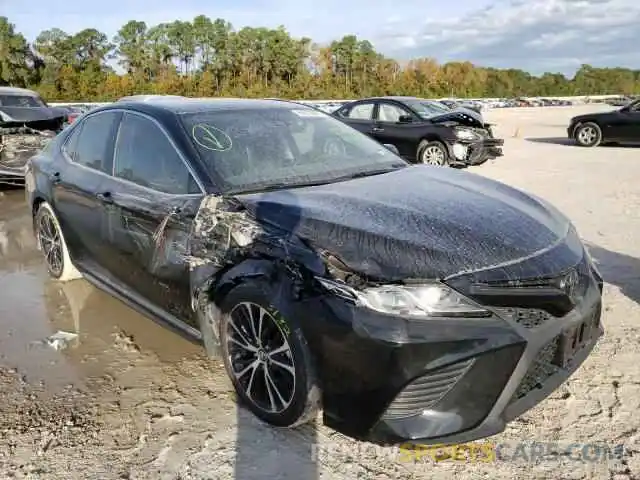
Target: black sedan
x=617 y=126
x=409 y=302
x=424 y=131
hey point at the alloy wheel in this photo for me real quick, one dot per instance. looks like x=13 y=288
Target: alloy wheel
x=260 y=357
x=50 y=243
x=587 y=135
x=433 y=155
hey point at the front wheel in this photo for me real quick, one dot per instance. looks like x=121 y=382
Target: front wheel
x=267 y=359
x=588 y=135
x=433 y=153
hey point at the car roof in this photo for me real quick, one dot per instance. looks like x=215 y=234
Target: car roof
x=397 y=98
x=184 y=105
x=146 y=98
x=17 y=91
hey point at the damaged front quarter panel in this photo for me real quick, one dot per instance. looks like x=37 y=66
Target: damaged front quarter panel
x=228 y=245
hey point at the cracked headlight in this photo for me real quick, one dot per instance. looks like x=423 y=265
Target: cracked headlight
x=466 y=134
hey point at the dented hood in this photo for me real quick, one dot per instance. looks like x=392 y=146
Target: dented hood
x=464 y=116
x=417 y=222
x=29 y=114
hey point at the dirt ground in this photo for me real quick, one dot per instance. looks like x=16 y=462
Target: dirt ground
x=128 y=399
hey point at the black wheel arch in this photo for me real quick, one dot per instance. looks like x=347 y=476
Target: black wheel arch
x=275 y=277
x=582 y=121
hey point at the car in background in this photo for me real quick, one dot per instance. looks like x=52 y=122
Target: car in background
x=324 y=269
x=617 y=126
x=424 y=131
x=27 y=123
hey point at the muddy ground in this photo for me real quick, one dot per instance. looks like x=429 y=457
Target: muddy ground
x=128 y=399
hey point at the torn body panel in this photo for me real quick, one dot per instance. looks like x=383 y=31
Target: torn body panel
x=17 y=145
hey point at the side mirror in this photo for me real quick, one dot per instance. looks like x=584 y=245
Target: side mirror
x=405 y=119
x=625 y=109
x=391 y=147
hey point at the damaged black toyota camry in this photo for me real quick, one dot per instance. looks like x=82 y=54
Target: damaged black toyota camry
x=409 y=303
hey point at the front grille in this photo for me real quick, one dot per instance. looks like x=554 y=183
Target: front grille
x=558 y=354
x=527 y=317
x=541 y=369
x=426 y=391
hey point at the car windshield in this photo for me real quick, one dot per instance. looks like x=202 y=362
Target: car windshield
x=20 y=101
x=275 y=147
x=634 y=105
x=428 y=108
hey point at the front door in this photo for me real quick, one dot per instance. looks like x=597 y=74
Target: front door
x=151 y=201
x=630 y=128
x=76 y=184
x=389 y=130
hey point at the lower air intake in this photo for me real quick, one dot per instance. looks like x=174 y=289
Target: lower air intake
x=425 y=391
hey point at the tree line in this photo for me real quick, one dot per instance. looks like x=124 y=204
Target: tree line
x=208 y=57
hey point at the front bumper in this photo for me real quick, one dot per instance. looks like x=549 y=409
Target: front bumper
x=445 y=381
x=12 y=176
x=475 y=153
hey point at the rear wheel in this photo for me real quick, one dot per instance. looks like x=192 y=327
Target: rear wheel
x=588 y=135
x=433 y=153
x=51 y=243
x=267 y=359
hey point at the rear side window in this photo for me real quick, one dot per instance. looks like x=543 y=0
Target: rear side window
x=364 y=111
x=144 y=155
x=90 y=143
x=20 y=101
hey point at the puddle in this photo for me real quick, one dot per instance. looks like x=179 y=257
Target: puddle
x=103 y=335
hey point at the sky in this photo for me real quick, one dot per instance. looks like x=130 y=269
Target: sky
x=534 y=35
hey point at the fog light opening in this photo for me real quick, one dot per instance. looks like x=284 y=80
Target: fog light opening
x=460 y=151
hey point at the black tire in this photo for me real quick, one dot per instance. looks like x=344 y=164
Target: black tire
x=428 y=154
x=299 y=398
x=51 y=242
x=588 y=135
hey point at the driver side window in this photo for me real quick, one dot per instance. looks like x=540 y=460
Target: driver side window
x=388 y=112
x=145 y=156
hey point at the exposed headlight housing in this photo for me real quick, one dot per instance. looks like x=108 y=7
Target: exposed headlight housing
x=466 y=134
x=423 y=301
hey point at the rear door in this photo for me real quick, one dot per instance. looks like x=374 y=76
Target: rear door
x=151 y=200
x=88 y=153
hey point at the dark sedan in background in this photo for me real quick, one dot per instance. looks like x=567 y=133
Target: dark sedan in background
x=617 y=126
x=327 y=271
x=424 y=131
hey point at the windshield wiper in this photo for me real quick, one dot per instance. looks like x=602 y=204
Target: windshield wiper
x=314 y=183
x=370 y=173
x=278 y=186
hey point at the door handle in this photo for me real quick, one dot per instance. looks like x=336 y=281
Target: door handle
x=105 y=197
x=377 y=129
x=54 y=177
